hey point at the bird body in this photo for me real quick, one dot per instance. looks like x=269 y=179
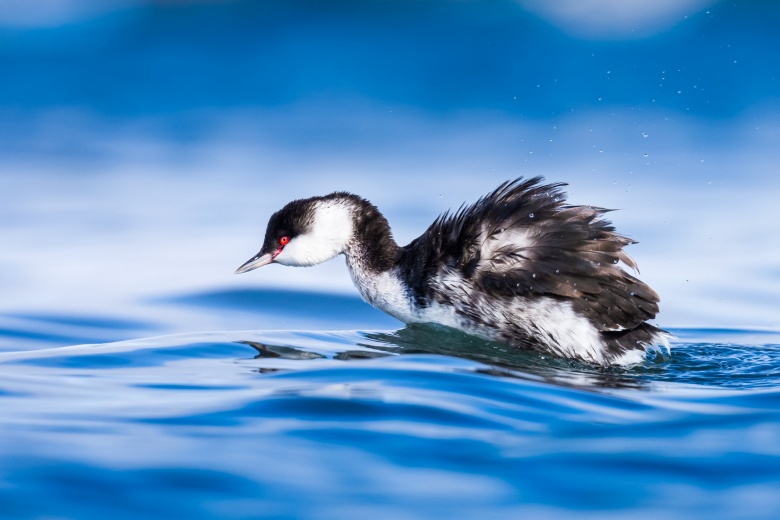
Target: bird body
x=519 y=266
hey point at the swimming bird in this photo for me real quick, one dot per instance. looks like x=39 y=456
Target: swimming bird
x=519 y=266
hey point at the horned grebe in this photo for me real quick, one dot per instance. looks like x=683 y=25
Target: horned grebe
x=519 y=266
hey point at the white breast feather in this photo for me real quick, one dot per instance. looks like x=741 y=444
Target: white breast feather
x=384 y=291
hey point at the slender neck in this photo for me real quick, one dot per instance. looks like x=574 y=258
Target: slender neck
x=373 y=249
x=372 y=255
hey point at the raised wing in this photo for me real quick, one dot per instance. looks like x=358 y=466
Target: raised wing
x=524 y=240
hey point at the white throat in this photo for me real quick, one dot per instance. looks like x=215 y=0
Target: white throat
x=330 y=230
x=385 y=291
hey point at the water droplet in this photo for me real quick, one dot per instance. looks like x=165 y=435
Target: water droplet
x=631 y=294
x=531 y=215
x=557 y=271
x=533 y=275
x=644 y=134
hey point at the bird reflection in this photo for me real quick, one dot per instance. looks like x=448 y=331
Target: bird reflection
x=497 y=360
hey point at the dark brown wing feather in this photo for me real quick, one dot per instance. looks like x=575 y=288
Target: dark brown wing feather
x=567 y=252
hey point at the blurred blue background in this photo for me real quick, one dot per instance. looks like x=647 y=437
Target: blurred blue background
x=143 y=144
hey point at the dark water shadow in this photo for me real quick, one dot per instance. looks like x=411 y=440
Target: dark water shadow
x=504 y=360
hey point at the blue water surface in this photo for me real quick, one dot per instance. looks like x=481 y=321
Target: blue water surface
x=418 y=422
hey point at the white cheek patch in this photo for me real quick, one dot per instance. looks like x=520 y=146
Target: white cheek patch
x=329 y=233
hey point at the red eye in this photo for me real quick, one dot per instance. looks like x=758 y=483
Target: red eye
x=284 y=241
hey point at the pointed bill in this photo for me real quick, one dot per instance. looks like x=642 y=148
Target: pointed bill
x=256 y=261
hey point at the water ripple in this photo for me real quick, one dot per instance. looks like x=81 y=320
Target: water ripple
x=240 y=424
